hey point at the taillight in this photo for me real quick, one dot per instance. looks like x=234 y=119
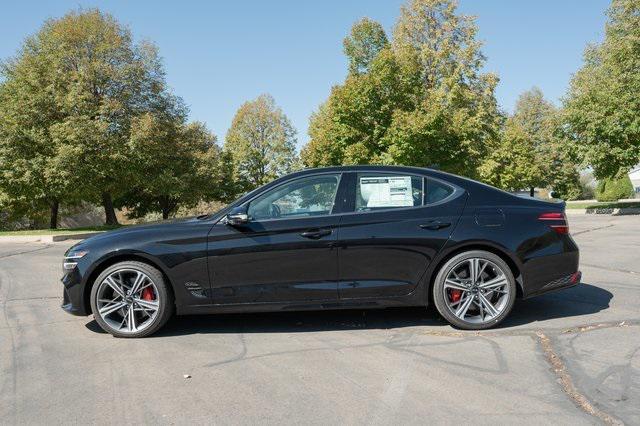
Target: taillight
x=557 y=221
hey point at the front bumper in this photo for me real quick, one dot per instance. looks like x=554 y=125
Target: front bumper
x=73 y=297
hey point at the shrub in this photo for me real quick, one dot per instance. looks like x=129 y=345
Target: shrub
x=613 y=189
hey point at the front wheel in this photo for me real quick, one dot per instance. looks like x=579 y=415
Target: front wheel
x=474 y=290
x=131 y=299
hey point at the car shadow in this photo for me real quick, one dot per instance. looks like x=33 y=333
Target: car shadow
x=583 y=299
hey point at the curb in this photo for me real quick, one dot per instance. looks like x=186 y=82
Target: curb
x=611 y=212
x=46 y=238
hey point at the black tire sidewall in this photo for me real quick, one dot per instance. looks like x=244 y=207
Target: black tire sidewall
x=165 y=310
x=439 y=297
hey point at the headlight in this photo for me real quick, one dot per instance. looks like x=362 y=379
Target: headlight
x=75 y=254
x=71 y=257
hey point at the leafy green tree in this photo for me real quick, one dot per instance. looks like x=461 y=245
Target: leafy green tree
x=30 y=178
x=601 y=108
x=178 y=164
x=423 y=100
x=513 y=165
x=366 y=40
x=261 y=141
x=615 y=188
x=91 y=81
x=531 y=152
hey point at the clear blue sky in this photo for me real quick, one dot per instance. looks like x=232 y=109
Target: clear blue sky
x=221 y=54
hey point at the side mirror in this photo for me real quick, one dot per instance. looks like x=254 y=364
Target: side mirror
x=238 y=216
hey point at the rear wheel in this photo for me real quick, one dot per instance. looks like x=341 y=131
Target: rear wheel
x=474 y=290
x=131 y=299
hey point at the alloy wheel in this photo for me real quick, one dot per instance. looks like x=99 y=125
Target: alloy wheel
x=127 y=301
x=476 y=290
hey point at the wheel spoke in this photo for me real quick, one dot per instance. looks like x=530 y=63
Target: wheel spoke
x=479 y=303
x=473 y=270
x=455 y=285
x=131 y=320
x=140 y=277
x=153 y=305
x=495 y=283
x=106 y=310
x=115 y=286
x=488 y=305
x=482 y=270
x=464 y=307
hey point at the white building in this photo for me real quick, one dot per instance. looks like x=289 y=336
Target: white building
x=634 y=175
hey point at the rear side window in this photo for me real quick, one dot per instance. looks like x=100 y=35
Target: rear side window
x=437 y=191
x=380 y=191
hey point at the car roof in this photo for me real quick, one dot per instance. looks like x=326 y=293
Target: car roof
x=356 y=168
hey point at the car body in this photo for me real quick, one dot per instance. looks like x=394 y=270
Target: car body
x=342 y=237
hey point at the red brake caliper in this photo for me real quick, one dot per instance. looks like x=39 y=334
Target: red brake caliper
x=147 y=294
x=454 y=294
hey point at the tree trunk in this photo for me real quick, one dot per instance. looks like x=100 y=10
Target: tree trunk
x=53 y=223
x=109 y=212
x=532 y=192
x=165 y=205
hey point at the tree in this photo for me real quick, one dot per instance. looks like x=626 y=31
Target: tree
x=615 y=188
x=514 y=164
x=366 y=40
x=261 y=142
x=422 y=100
x=178 y=164
x=30 y=178
x=531 y=152
x=601 y=108
x=91 y=81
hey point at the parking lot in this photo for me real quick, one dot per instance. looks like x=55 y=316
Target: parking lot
x=571 y=357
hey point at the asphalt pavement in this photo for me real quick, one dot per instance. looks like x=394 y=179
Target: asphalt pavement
x=571 y=357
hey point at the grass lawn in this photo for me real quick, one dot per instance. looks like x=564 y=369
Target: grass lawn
x=59 y=231
x=602 y=205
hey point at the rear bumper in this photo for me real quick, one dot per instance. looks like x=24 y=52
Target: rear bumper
x=561 y=283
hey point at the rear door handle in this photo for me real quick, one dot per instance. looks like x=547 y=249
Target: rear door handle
x=434 y=225
x=316 y=234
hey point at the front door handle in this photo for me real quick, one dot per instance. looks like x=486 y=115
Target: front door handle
x=434 y=225
x=316 y=234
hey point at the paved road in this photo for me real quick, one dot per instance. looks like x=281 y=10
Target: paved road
x=571 y=357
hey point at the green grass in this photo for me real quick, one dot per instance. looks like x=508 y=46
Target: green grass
x=602 y=205
x=59 y=231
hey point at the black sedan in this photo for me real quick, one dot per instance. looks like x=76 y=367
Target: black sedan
x=335 y=238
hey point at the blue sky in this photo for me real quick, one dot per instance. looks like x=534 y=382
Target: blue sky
x=221 y=54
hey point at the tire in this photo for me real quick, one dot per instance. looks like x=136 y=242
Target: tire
x=494 y=283
x=150 y=310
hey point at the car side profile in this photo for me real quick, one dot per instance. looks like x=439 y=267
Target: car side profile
x=334 y=238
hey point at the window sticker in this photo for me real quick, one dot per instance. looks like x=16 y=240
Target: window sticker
x=391 y=191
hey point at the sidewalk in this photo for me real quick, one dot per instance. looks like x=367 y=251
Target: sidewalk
x=51 y=238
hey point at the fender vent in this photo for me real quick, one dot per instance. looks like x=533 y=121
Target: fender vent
x=195 y=289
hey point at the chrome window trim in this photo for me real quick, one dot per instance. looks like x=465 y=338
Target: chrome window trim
x=333 y=206
x=457 y=191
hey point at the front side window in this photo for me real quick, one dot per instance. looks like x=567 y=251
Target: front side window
x=305 y=197
x=379 y=191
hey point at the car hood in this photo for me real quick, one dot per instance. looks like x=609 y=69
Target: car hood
x=137 y=229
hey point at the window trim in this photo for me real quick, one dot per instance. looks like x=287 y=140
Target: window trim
x=275 y=187
x=412 y=175
x=345 y=177
x=457 y=191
